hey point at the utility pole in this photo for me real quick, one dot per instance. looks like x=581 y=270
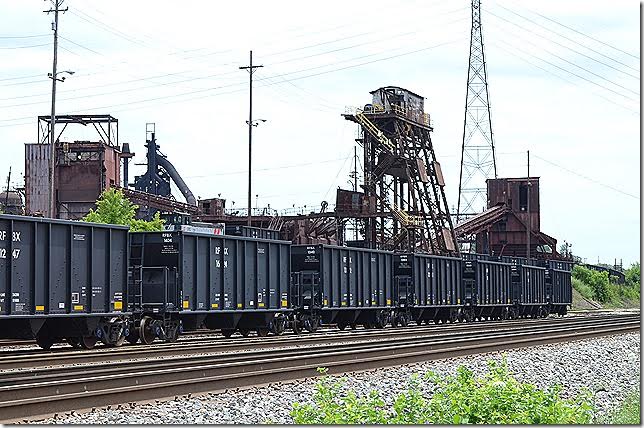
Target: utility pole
x=6 y=199
x=355 y=187
x=529 y=217
x=52 y=134
x=251 y=69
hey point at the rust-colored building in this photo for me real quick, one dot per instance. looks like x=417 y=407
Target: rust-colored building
x=507 y=235
x=83 y=169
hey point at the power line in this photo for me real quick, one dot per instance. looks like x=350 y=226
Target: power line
x=580 y=32
x=578 y=66
x=587 y=178
x=567 y=47
x=569 y=39
x=24 y=37
x=239 y=90
x=26 y=47
x=559 y=77
x=576 y=75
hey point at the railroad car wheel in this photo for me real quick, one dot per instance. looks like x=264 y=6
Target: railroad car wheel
x=173 y=335
x=119 y=342
x=44 y=342
x=133 y=337
x=145 y=331
x=311 y=325
x=244 y=332
x=74 y=342
x=297 y=329
x=278 y=325
x=262 y=331
x=342 y=326
x=88 y=342
x=403 y=321
x=353 y=326
x=227 y=332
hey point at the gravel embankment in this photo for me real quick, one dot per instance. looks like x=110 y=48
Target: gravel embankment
x=609 y=367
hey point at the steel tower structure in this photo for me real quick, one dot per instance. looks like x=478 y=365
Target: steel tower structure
x=478 y=159
x=403 y=183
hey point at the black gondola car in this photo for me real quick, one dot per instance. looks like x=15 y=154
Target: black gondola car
x=62 y=280
x=343 y=285
x=529 y=291
x=558 y=290
x=487 y=289
x=252 y=232
x=431 y=287
x=189 y=280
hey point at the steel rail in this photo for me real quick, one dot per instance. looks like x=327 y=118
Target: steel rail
x=116 y=367
x=14 y=359
x=92 y=388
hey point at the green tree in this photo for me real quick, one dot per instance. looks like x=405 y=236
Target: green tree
x=632 y=275
x=112 y=207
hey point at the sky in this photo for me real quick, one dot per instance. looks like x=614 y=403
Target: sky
x=563 y=83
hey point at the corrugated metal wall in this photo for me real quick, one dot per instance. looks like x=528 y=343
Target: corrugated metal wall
x=36 y=178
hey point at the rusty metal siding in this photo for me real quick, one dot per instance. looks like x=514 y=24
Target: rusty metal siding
x=36 y=178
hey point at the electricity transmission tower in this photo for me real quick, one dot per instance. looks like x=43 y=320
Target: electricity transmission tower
x=478 y=160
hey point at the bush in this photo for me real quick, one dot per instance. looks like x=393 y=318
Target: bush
x=112 y=207
x=494 y=398
x=597 y=281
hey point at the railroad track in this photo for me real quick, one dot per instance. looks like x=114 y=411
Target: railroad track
x=203 y=342
x=43 y=391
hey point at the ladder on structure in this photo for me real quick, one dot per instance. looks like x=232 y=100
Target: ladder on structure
x=374 y=131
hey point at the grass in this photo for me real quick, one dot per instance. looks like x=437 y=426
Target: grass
x=628 y=413
x=583 y=288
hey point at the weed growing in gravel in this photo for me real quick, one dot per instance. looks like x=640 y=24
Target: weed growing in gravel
x=494 y=398
x=626 y=414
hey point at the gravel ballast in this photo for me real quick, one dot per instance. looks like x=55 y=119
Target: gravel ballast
x=608 y=366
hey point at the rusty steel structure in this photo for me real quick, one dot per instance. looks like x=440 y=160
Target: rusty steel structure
x=404 y=206
x=512 y=213
x=82 y=169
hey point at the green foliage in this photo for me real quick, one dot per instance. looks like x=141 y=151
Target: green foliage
x=633 y=275
x=597 y=281
x=112 y=207
x=494 y=398
x=598 y=286
x=583 y=288
x=628 y=413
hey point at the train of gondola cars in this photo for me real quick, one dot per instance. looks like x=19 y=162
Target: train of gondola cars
x=83 y=283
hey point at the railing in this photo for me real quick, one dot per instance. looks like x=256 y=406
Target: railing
x=414 y=115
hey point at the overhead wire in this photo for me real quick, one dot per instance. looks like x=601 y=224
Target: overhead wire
x=580 y=32
x=569 y=39
x=576 y=65
x=519 y=56
x=564 y=46
x=608 y=186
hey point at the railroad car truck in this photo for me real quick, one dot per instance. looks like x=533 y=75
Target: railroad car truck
x=429 y=287
x=186 y=280
x=63 y=280
x=347 y=286
x=487 y=289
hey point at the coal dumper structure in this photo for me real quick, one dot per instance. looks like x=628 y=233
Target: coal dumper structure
x=403 y=180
